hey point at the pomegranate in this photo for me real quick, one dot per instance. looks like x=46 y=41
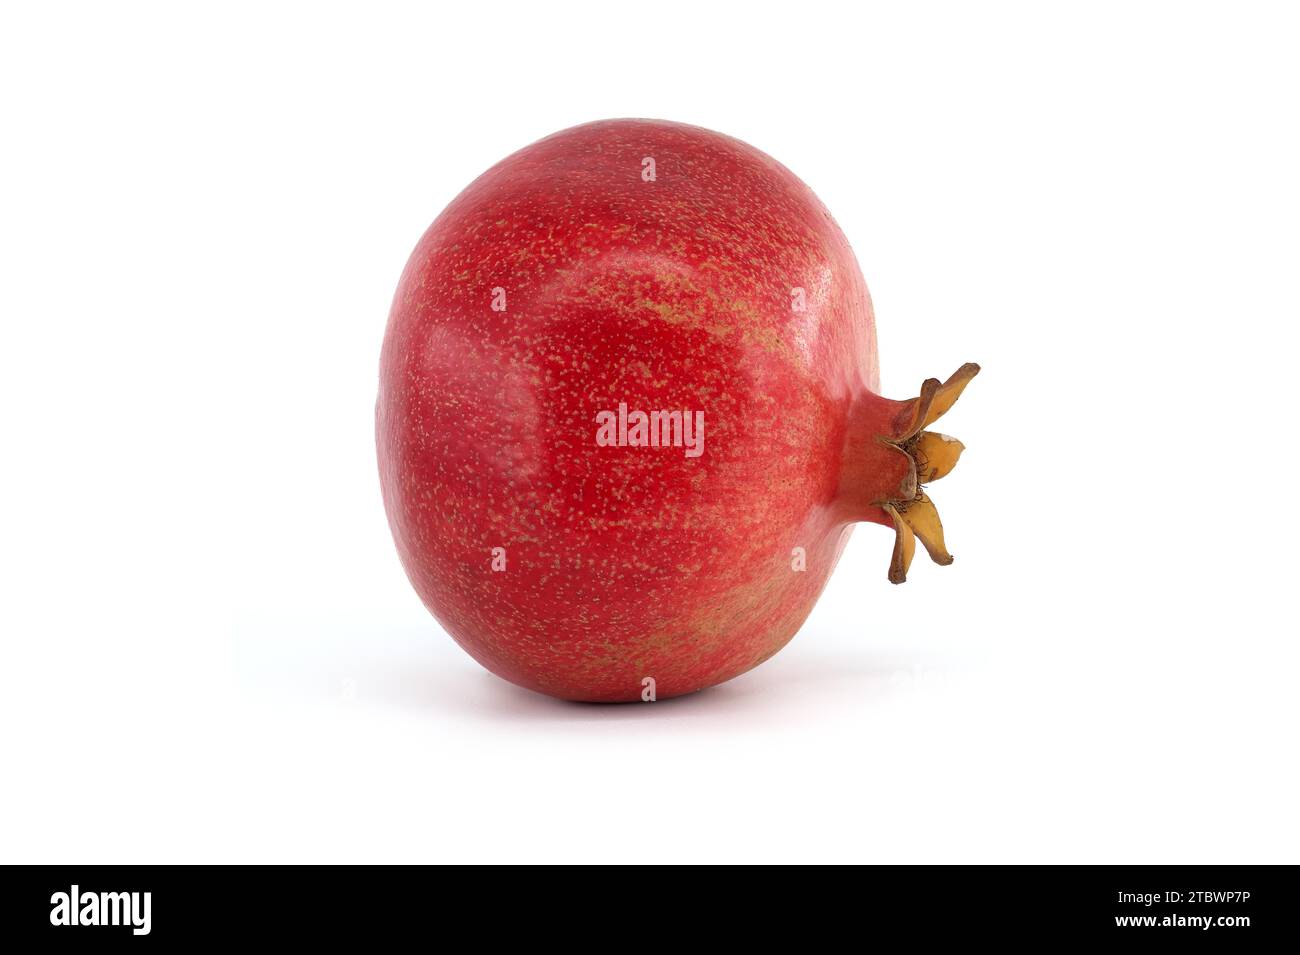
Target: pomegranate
x=627 y=413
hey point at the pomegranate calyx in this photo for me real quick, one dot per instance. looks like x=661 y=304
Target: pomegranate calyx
x=933 y=455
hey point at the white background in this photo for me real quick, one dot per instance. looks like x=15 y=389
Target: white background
x=210 y=651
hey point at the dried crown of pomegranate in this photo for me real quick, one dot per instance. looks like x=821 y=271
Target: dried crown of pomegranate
x=931 y=456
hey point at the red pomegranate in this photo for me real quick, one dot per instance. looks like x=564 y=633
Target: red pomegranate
x=628 y=417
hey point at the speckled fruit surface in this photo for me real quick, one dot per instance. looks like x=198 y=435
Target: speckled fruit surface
x=660 y=267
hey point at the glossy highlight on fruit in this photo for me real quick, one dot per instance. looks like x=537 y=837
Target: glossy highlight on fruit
x=628 y=416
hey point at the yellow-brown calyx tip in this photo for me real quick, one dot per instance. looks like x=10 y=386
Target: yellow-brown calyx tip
x=936 y=399
x=904 y=546
x=933 y=456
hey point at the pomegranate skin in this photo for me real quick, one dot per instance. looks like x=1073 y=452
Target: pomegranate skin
x=575 y=276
